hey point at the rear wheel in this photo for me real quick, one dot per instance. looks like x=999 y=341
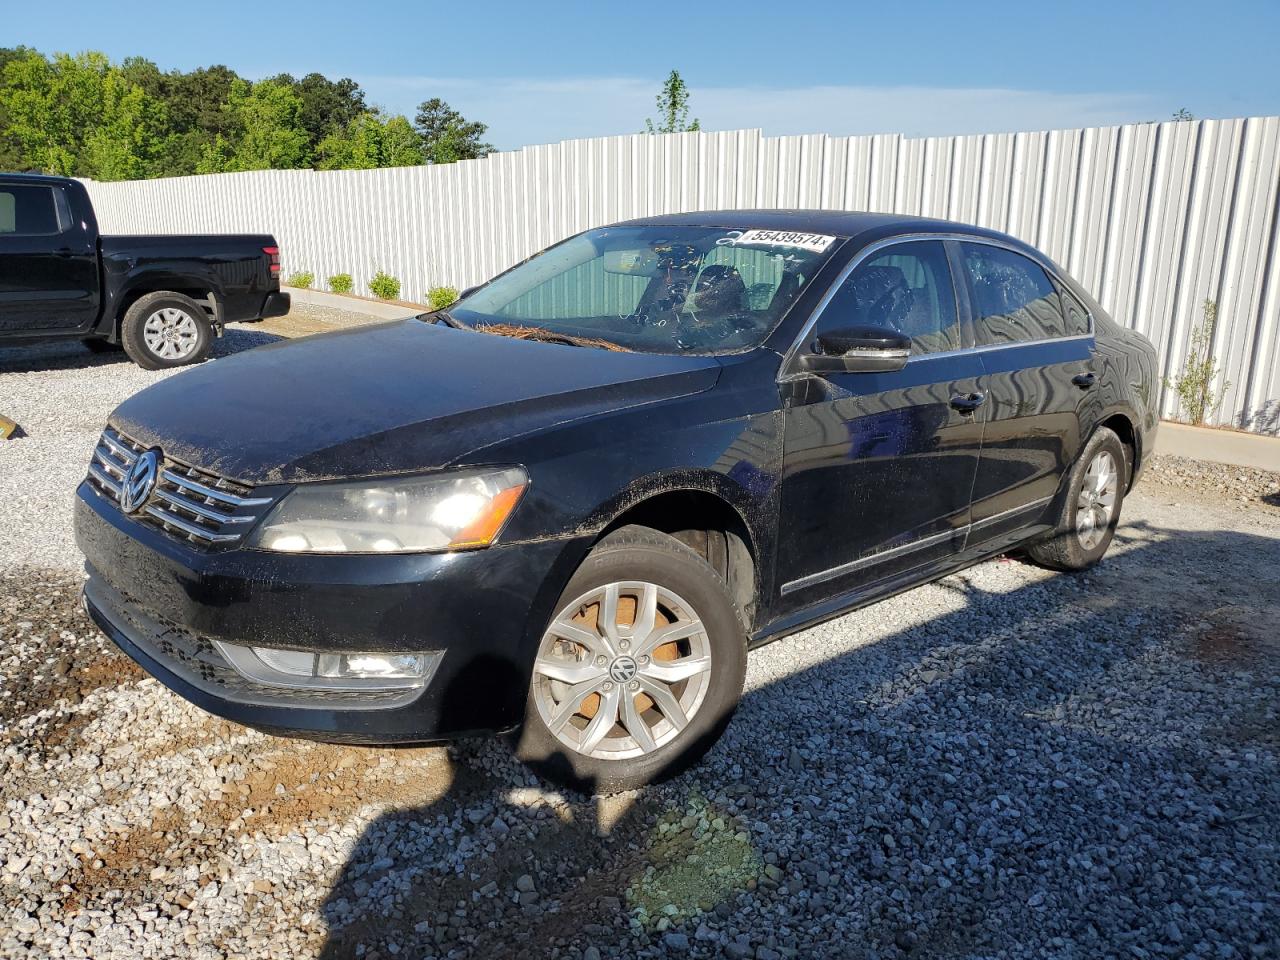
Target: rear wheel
x=640 y=669
x=165 y=329
x=1091 y=509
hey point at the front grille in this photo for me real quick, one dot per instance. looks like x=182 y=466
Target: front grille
x=191 y=504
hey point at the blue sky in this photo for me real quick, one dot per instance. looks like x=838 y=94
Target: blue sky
x=537 y=72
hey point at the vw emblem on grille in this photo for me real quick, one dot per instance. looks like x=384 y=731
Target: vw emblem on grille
x=622 y=670
x=138 y=483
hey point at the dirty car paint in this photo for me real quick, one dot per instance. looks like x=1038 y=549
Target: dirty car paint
x=829 y=476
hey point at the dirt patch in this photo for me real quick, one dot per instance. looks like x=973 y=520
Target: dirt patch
x=50 y=652
x=309 y=781
x=1237 y=637
x=280 y=792
x=125 y=865
x=1218 y=483
x=306 y=319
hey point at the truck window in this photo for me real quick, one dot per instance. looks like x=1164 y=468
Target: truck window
x=27 y=210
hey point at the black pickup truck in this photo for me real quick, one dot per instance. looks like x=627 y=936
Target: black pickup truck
x=162 y=298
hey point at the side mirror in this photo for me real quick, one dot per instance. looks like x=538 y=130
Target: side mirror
x=857 y=350
x=469 y=291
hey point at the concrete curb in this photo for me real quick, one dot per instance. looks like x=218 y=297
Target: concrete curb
x=342 y=301
x=1220 y=446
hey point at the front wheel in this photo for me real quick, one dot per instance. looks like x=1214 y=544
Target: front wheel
x=1091 y=509
x=640 y=669
x=166 y=329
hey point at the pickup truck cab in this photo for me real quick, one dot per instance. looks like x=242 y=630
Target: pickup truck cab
x=162 y=298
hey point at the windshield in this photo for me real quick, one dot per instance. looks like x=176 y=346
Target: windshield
x=658 y=289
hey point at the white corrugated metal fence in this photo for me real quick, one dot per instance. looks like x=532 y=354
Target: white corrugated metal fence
x=1153 y=218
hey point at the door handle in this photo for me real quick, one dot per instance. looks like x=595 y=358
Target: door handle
x=968 y=402
x=1084 y=380
x=64 y=252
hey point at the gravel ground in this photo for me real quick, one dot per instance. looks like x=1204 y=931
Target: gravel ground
x=1007 y=763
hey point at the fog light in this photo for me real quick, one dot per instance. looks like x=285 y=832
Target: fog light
x=371 y=664
x=304 y=669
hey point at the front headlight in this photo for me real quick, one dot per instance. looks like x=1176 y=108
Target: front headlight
x=448 y=511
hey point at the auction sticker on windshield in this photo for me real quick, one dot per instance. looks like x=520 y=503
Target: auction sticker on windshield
x=817 y=242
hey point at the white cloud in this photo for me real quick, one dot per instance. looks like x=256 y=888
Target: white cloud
x=527 y=111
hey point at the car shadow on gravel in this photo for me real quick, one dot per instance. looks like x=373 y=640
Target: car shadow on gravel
x=72 y=355
x=966 y=783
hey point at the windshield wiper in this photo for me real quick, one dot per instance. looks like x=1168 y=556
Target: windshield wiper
x=443 y=316
x=543 y=335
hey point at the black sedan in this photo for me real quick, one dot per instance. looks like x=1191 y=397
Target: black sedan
x=569 y=504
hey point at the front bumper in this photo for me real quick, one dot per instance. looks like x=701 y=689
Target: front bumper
x=164 y=602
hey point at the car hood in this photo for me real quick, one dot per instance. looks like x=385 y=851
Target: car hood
x=388 y=398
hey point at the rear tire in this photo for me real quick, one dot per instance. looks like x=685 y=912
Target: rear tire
x=1091 y=507
x=165 y=329
x=611 y=710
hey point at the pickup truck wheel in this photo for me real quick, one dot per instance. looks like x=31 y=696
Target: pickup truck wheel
x=639 y=671
x=166 y=329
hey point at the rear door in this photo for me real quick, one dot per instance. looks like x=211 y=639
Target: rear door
x=48 y=265
x=1037 y=363
x=879 y=467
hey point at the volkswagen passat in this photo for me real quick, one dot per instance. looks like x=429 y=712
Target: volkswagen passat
x=569 y=504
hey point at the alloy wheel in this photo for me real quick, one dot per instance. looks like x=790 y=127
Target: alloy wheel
x=170 y=333
x=1096 y=501
x=622 y=670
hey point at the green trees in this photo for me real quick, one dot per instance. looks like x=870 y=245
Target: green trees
x=79 y=116
x=372 y=139
x=326 y=104
x=86 y=116
x=673 y=108
x=447 y=136
x=267 y=132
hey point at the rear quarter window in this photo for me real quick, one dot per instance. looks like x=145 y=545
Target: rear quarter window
x=1075 y=314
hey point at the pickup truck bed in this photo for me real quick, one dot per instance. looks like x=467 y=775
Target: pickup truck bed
x=164 y=298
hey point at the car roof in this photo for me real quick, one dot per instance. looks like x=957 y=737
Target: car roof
x=839 y=223
x=33 y=177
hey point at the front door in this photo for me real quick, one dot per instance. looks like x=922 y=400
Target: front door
x=48 y=268
x=1037 y=356
x=879 y=467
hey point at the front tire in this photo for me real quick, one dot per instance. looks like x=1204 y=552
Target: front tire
x=165 y=329
x=640 y=669
x=1091 y=508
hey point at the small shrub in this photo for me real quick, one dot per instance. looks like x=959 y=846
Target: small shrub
x=340 y=283
x=1194 y=386
x=440 y=297
x=384 y=286
x=302 y=279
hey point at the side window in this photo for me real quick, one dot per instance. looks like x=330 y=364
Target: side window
x=906 y=287
x=27 y=210
x=1013 y=298
x=1076 y=315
